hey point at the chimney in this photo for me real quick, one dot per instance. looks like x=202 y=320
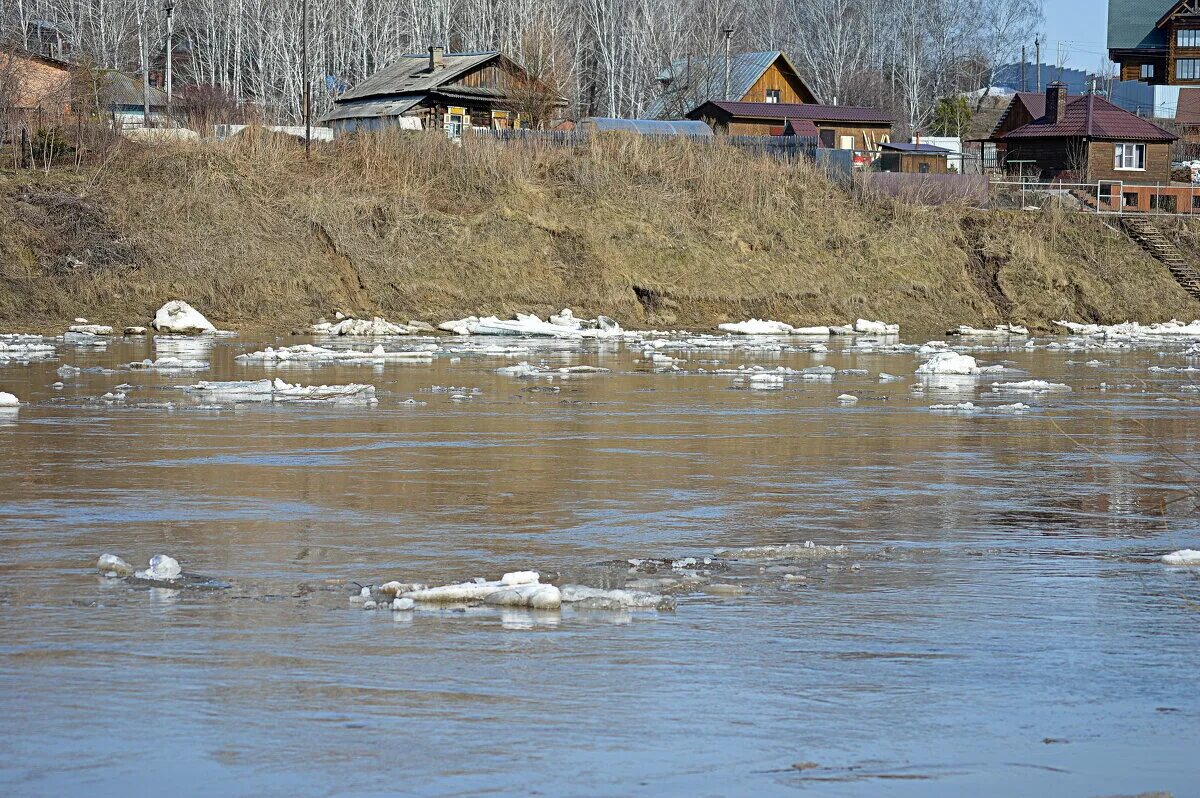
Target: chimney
x=437 y=58
x=1056 y=102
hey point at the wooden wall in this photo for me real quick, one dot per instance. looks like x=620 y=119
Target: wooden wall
x=865 y=137
x=1158 y=164
x=1070 y=160
x=779 y=76
x=1175 y=53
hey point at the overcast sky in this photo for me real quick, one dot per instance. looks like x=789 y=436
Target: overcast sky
x=1078 y=26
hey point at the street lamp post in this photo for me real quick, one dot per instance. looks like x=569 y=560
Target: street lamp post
x=168 y=8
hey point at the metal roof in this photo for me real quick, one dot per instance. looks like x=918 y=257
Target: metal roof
x=1089 y=116
x=1132 y=24
x=929 y=149
x=801 y=127
x=852 y=114
x=121 y=89
x=697 y=78
x=360 y=109
x=651 y=127
x=410 y=74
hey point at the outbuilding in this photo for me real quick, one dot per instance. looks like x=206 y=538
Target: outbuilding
x=916 y=158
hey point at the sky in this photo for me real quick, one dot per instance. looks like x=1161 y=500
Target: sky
x=1080 y=27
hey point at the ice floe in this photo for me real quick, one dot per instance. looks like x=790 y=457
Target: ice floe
x=477 y=590
x=1182 y=557
x=1000 y=330
x=961 y=407
x=947 y=362
x=1133 y=331
x=596 y=598
x=8 y=400
x=162 y=569
x=768 y=327
x=848 y=399
x=808 y=550
x=168 y=364
x=866 y=326
x=308 y=353
x=1030 y=386
x=182 y=319
x=526 y=369
x=91 y=329
x=529 y=325
x=279 y=391
x=113 y=566
x=375 y=326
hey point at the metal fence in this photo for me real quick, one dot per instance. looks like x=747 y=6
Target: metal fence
x=783 y=148
x=1104 y=197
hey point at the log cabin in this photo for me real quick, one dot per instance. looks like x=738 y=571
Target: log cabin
x=454 y=92
x=762 y=77
x=1156 y=41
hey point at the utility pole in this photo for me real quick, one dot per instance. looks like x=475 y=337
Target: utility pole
x=168 y=7
x=1037 y=43
x=144 y=54
x=307 y=85
x=1024 y=68
x=728 y=62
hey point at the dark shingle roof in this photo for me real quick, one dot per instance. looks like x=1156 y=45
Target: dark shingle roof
x=1132 y=24
x=929 y=149
x=1091 y=116
x=410 y=74
x=814 y=113
x=121 y=89
x=693 y=80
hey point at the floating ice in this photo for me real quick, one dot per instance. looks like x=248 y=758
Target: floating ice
x=472 y=591
x=525 y=369
x=1001 y=330
x=1182 y=557
x=1030 y=386
x=758 y=327
x=181 y=318
x=596 y=598
x=530 y=325
x=361 y=327
x=279 y=391
x=24 y=349
x=135 y=331
x=8 y=400
x=1174 y=369
x=946 y=362
x=848 y=399
x=532 y=596
x=961 y=407
x=1017 y=407
x=112 y=565
x=805 y=550
x=308 y=353
x=403 y=604
x=162 y=569
x=875 y=327
x=90 y=329
x=169 y=364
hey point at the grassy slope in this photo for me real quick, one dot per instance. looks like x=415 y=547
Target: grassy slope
x=650 y=233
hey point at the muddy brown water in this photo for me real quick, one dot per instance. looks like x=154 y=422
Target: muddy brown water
x=1008 y=629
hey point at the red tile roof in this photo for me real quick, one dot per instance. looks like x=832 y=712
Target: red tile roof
x=811 y=112
x=1087 y=116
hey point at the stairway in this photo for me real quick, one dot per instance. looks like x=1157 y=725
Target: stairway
x=1153 y=241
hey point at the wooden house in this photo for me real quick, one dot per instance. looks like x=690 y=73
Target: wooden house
x=844 y=127
x=915 y=158
x=1156 y=41
x=1079 y=139
x=762 y=77
x=451 y=91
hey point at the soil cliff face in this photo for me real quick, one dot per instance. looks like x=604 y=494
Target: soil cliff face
x=654 y=234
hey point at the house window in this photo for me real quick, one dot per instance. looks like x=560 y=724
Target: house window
x=773 y=95
x=1187 y=38
x=1130 y=157
x=1129 y=199
x=1187 y=69
x=1147 y=71
x=1196 y=202
x=456 y=120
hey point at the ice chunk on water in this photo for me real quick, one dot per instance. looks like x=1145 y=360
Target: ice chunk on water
x=520 y=578
x=162 y=569
x=961 y=407
x=8 y=400
x=806 y=550
x=112 y=565
x=848 y=399
x=403 y=604
x=946 y=362
x=180 y=317
x=1031 y=386
x=1182 y=557
x=869 y=327
x=532 y=596
x=477 y=590
x=596 y=598
x=757 y=327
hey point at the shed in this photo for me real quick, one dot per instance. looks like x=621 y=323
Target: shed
x=646 y=127
x=913 y=158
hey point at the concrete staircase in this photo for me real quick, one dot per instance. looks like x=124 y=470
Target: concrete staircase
x=1153 y=241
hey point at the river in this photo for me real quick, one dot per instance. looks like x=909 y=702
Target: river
x=999 y=624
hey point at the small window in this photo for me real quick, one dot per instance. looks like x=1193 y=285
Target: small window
x=1129 y=199
x=1147 y=71
x=1130 y=157
x=773 y=95
x=923 y=168
x=1196 y=202
x=1187 y=38
x=1187 y=69
x=1167 y=203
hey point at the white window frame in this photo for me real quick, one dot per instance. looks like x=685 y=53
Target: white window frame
x=1187 y=37
x=1129 y=157
x=774 y=96
x=1148 y=71
x=1187 y=69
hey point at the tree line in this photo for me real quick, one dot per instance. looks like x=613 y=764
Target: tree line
x=603 y=56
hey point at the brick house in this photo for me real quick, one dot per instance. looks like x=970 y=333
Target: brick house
x=1079 y=139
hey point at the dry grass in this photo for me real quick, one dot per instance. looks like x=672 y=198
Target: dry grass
x=651 y=232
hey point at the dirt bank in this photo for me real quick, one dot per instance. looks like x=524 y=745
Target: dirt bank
x=653 y=234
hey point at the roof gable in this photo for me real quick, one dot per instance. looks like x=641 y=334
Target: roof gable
x=694 y=79
x=1093 y=117
x=1181 y=8
x=410 y=74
